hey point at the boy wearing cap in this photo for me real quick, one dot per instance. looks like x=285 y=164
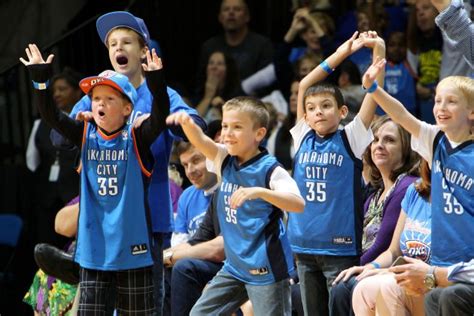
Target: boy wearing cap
x=114 y=240
x=127 y=38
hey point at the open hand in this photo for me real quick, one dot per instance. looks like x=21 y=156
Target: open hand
x=346 y=274
x=153 y=62
x=350 y=46
x=371 y=73
x=34 y=56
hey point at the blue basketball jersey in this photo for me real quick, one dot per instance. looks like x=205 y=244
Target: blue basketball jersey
x=192 y=207
x=400 y=83
x=452 y=194
x=329 y=178
x=415 y=239
x=256 y=246
x=159 y=192
x=113 y=232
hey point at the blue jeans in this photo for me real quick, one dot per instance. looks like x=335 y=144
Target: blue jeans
x=340 y=303
x=316 y=274
x=225 y=294
x=188 y=279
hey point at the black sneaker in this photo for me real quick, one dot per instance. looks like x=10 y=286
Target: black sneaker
x=57 y=263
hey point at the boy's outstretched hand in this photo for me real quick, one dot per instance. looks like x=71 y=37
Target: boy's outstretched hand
x=153 y=62
x=179 y=118
x=371 y=73
x=350 y=46
x=34 y=56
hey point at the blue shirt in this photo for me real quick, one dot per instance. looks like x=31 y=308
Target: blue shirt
x=113 y=228
x=415 y=240
x=452 y=193
x=159 y=197
x=256 y=247
x=329 y=178
x=192 y=207
x=400 y=83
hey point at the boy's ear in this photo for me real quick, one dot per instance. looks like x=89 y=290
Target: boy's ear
x=143 y=53
x=261 y=132
x=127 y=109
x=344 y=110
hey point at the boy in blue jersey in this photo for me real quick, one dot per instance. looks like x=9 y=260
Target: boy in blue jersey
x=114 y=236
x=126 y=38
x=448 y=147
x=253 y=192
x=194 y=201
x=326 y=237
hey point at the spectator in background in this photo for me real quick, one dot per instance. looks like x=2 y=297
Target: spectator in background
x=55 y=181
x=425 y=45
x=350 y=85
x=222 y=83
x=251 y=51
x=400 y=78
x=194 y=201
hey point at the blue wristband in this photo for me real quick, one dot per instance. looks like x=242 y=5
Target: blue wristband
x=373 y=87
x=40 y=85
x=326 y=67
x=375 y=264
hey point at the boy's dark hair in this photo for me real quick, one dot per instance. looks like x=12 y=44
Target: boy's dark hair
x=351 y=70
x=256 y=108
x=410 y=158
x=325 y=88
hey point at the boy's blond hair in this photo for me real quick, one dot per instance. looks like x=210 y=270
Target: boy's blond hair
x=252 y=106
x=464 y=84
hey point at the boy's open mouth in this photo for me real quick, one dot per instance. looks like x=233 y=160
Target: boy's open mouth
x=122 y=60
x=101 y=113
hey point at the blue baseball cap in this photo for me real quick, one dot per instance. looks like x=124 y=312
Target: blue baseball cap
x=109 y=21
x=112 y=79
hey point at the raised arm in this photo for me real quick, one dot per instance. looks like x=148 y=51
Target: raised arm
x=372 y=40
x=194 y=134
x=41 y=72
x=325 y=68
x=149 y=130
x=389 y=104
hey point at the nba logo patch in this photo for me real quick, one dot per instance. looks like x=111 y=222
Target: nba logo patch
x=124 y=135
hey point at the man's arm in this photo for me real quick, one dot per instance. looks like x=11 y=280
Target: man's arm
x=454 y=20
x=212 y=250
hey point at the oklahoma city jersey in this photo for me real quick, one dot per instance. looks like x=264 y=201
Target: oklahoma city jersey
x=113 y=231
x=256 y=246
x=452 y=193
x=329 y=178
